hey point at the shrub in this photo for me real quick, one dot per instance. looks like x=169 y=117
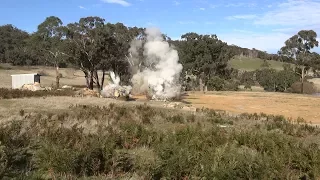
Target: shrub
x=247 y=78
x=178 y=118
x=231 y=85
x=308 y=87
x=81 y=143
x=215 y=84
x=16 y=93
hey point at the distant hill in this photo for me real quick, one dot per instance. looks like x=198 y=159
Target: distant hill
x=251 y=64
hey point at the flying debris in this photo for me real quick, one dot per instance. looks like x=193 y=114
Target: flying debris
x=114 y=90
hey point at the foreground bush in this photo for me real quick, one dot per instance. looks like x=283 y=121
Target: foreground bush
x=121 y=142
x=16 y=93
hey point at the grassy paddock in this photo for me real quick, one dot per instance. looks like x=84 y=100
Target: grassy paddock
x=252 y=64
x=114 y=142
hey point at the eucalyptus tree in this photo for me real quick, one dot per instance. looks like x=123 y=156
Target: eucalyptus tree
x=299 y=47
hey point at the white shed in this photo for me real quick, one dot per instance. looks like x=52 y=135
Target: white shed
x=18 y=80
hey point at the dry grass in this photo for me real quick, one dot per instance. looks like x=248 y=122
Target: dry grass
x=289 y=105
x=57 y=104
x=70 y=76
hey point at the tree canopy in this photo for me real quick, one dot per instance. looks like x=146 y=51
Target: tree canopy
x=299 y=47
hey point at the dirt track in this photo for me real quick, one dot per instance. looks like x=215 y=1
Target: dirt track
x=289 y=105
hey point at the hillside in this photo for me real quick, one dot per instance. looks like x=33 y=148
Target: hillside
x=251 y=64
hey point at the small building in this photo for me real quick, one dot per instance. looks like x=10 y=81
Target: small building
x=18 y=80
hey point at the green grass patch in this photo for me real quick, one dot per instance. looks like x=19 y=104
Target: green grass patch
x=251 y=64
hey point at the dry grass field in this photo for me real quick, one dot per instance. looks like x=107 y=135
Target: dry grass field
x=289 y=105
x=70 y=76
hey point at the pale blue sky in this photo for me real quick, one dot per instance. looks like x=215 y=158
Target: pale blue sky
x=263 y=24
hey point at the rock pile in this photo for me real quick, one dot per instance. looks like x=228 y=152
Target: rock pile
x=87 y=93
x=32 y=87
x=116 y=91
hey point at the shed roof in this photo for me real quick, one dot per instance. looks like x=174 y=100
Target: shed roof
x=26 y=74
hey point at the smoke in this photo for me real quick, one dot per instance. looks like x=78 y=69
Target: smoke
x=115 y=79
x=159 y=75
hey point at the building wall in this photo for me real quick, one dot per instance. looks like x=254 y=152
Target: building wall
x=19 y=80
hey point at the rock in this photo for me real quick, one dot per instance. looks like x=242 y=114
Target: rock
x=67 y=87
x=116 y=91
x=48 y=88
x=87 y=93
x=32 y=87
x=186 y=108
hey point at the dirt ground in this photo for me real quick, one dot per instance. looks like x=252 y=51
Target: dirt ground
x=289 y=105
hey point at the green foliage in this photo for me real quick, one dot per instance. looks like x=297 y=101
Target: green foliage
x=215 y=84
x=299 y=47
x=247 y=79
x=231 y=85
x=285 y=79
x=267 y=78
x=112 y=141
x=16 y=93
x=279 y=81
x=204 y=56
x=12 y=43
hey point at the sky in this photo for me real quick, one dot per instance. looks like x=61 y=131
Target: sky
x=260 y=24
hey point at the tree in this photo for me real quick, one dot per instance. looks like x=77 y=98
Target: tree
x=298 y=47
x=284 y=79
x=94 y=45
x=204 y=56
x=116 y=58
x=247 y=79
x=267 y=78
x=85 y=46
x=13 y=45
x=49 y=39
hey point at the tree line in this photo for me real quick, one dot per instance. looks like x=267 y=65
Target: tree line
x=93 y=45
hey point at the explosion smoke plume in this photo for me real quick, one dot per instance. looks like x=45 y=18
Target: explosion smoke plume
x=160 y=75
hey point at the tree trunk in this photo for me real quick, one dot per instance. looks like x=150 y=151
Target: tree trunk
x=200 y=85
x=57 y=77
x=91 y=80
x=102 y=79
x=285 y=87
x=97 y=80
x=302 y=80
x=86 y=75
